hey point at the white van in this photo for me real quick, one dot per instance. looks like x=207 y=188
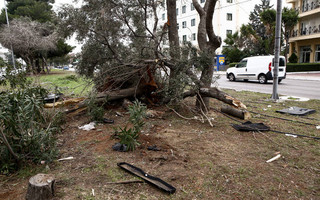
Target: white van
x=257 y=68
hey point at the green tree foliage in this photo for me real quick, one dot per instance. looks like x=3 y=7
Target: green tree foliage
x=293 y=58
x=290 y=18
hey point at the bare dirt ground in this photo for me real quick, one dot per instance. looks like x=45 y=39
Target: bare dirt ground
x=200 y=161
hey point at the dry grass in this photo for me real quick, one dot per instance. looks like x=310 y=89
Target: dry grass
x=202 y=162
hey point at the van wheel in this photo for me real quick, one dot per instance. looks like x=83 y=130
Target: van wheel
x=231 y=77
x=262 y=79
x=279 y=80
x=245 y=80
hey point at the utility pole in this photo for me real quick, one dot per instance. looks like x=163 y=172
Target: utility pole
x=275 y=95
x=12 y=55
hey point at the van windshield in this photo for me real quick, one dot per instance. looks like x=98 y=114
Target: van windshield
x=282 y=62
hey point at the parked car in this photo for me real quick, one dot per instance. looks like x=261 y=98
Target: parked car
x=257 y=68
x=65 y=67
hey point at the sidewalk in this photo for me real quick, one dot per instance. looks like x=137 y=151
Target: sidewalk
x=314 y=76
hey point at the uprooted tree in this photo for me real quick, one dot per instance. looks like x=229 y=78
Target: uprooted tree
x=126 y=51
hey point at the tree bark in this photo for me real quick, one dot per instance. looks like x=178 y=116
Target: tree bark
x=41 y=187
x=241 y=114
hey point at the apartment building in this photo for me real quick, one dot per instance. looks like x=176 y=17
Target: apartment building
x=229 y=15
x=305 y=38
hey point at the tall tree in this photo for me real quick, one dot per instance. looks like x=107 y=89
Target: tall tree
x=39 y=11
x=207 y=45
x=290 y=18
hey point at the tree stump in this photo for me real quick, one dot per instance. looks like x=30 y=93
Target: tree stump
x=40 y=187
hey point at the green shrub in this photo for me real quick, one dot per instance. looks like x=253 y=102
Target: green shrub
x=293 y=58
x=302 y=67
x=94 y=111
x=26 y=129
x=129 y=137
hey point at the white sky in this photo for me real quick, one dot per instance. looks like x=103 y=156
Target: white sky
x=77 y=3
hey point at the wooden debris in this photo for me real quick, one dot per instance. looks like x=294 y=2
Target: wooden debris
x=125 y=182
x=63 y=103
x=274 y=158
x=241 y=114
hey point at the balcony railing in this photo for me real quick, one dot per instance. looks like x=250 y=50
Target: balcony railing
x=305 y=31
x=309 y=6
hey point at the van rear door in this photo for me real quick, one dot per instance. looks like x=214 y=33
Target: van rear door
x=282 y=67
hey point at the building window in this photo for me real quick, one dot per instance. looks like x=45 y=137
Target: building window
x=192 y=7
x=229 y=1
x=184 y=38
x=163 y=16
x=193 y=37
x=229 y=16
x=178 y=26
x=184 y=24
x=193 y=22
x=305 y=54
x=317 y=54
x=177 y=11
x=202 y=1
x=229 y=32
x=184 y=9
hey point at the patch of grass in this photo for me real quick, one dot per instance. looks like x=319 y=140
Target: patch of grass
x=68 y=83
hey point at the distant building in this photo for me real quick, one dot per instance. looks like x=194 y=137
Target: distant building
x=305 y=39
x=229 y=15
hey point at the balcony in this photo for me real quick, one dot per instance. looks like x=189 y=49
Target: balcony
x=308 y=6
x=304 y=34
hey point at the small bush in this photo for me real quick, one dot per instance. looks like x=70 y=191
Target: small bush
x=129 y=137
x=293 y=58
x=95 y=111
x=26 y=129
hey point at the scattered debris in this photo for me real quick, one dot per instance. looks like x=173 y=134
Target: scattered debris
x=67 y=158
x=154 y=113
x=108 y=121
x=88 y=127
x=274 y=158
x=269 y=106
x=296 y=111
x=42 y=162
x=154 y=148
x=148 y=178
x=318 y=127
x=92 y=191
x=120 y=147
x=119 y=114
x=293 y=98
x=125 y=182
x=126 y=103
x=63 y=103
x=290 y=135
x=249 y=126
x=51 y=98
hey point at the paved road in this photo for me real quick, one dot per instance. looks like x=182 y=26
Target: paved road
x=290 y=86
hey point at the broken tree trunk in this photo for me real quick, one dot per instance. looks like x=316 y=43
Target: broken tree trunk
x=217 y=94
x=112 y=96
x=41 y=187
x=241 y=114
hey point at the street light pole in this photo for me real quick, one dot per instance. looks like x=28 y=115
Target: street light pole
x=12 y=55
x=275 y=95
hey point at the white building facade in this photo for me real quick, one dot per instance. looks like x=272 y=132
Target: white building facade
x=229 y=15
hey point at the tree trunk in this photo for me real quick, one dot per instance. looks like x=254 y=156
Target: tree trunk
x=241 y=114
x=174 y=44
x=41 y=187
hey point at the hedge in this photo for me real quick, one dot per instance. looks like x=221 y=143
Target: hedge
x=303 y=67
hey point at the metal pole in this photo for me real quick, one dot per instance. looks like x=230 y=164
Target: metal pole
x=12 y=55
x=275 y=95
